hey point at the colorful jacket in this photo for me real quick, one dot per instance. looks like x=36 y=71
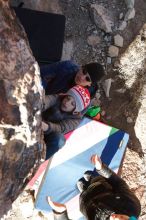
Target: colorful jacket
x=57 y=120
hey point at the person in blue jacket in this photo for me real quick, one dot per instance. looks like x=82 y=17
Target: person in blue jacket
x=61 y=76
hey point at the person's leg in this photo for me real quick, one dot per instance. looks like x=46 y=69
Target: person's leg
x=54 y=142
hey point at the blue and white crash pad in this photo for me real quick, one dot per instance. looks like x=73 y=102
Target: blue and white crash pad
x=69 y=164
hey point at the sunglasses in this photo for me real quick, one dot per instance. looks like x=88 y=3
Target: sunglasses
x=85 y=73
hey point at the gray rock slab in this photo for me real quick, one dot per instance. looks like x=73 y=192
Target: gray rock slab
x=101 y=17
x=130 y=3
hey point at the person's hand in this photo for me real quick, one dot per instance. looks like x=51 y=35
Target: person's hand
x=58 y=207
x=119 y=217
x=96 y=161
x=44 y=126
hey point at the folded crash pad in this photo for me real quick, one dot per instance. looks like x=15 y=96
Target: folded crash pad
x=69 y=164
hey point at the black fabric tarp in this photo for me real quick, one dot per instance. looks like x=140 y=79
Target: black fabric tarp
x=45 y=33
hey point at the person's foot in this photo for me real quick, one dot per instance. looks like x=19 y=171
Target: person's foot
x=58 y=207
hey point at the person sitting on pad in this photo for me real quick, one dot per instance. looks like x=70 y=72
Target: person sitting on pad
x=104 y=196
x=61 y=76
x=62 y=113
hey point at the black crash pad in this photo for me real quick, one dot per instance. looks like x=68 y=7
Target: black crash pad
x=45 y=33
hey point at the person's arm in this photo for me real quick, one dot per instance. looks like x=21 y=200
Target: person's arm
x=59 y=210
x=63 y=126
x=117 y=183
x=59 y=69
x=49 y=101
x=103 y=170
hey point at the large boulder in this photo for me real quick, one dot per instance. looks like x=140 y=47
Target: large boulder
x=21 y=148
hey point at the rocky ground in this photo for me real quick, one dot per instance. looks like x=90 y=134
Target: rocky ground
x=114 y=34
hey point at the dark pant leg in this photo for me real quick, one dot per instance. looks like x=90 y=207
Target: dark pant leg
x=54 y=142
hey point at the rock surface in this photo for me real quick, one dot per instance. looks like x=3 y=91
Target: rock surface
x=130 y=14
x=130 y=3
x=102 y=18
x=20 y=109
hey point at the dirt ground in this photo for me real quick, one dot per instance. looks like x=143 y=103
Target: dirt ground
x=125 y=108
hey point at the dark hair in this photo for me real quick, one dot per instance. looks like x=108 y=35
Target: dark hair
x=99 y=203
x=95 y=210
x=97 y=213
x=95 y=70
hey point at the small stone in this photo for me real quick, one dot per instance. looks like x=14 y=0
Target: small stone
x=130 y=3
x=118 y=40
x=93 y=40
x=113 y=51
x=102 y=33
x=97 y=95
x=95 y=32
x=89 y=28
x=129 y=120
x=122 y=26
x=83 y=9
x=106 y=86
x=109 y=60
x=116 y=64
x=121 y=16
x=109 y=117
x=103 y=113
x=106 y=38
x=130 y=14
